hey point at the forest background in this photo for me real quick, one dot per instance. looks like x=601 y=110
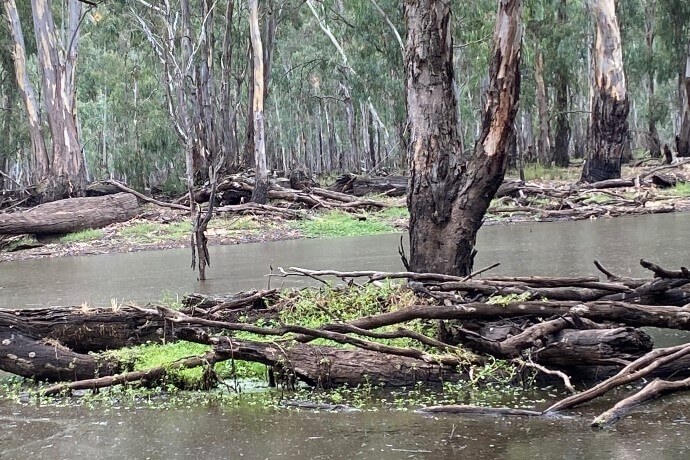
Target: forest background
x=155 y=80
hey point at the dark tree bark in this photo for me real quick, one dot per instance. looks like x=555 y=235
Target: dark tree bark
x=560 y=155
x=449 y=192
x=610 y=105
x=683 y=139
x=544 y=151
x=653 y=143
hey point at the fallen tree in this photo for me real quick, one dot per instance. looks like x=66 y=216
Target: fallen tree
x=70 y=215
x=502 y=317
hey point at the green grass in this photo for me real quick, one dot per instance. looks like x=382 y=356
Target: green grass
x=235 y=223
x=81 y=236
x=393 y=213
x=682 y=189
x=150 y=231
x=537 y=171
x=337 y=223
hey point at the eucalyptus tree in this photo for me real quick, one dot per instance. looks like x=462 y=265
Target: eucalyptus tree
x=674 y=33
x=63 y=171
x=610 y=104
x=259 y=195
x=449 y=190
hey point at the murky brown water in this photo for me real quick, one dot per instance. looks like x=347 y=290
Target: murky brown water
x=214 y=432
x=560 y=248
x=657 y=431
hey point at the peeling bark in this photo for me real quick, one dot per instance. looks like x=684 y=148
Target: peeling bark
x=57 y=62
x=41 y=162
x=448 y=191
x=259 y=195
x=610 y=105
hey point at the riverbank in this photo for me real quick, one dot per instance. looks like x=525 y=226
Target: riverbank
x=540 y=200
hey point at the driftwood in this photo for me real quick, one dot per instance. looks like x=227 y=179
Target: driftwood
x=653 y=390
x=359 y=185
x=236 y=190
x=70 y=215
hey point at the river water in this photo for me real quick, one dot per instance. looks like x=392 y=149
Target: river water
x=553 y=248
x=656 y=431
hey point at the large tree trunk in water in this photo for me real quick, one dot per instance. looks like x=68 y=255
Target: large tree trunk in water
x=40 y=161
x=71 y=215
x=683 y=139
x=609 y=118
x=57 y=69
x=261 y=187
x=449 y=192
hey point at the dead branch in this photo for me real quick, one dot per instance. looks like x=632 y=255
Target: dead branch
x=652 y=391
x=143 y=197
x=636 y=370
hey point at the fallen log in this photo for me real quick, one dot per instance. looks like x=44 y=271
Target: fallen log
x=42 y=359
x=149 y=376
x=87 y=330
x=328 y=367
x=653 y=390
x=360 y=185
x=70 y=215
x=638 y=369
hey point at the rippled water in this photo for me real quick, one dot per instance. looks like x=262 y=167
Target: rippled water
x=657 y=431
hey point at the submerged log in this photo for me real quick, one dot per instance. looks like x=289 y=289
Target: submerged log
x=70 y=215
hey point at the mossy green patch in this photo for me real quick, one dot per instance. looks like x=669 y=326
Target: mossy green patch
x=143 y=232
x=82 y=236
x=337 y=223
x=682 y=189
x=537 y=171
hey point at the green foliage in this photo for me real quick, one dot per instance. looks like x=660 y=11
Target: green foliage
x=504 y=300
x=313 y=308
x=145 y=357
x=143 y=232
x=82 y=236
x=337 y=223
x=536 y=171
x=682 y=189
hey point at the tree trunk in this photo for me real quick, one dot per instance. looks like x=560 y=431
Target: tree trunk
x=450 y=192
x=653 y=143
x=71 y=215
x=561 y=146
x=609 y=118
x=544 y=140
x=57 y=69
x=40 y=161
x=683 y=139
x=261 y=186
